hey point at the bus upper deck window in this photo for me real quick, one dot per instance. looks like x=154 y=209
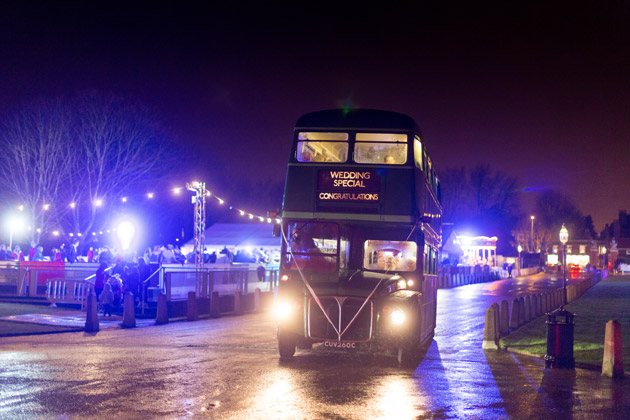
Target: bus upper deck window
x=417 y=152
x=381 y=148
x=322 y=147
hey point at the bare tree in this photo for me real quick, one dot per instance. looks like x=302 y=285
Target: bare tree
x=37 y=160
x=542 y=235
x=480 y=193
x=496 y=192
x=91 y=149
x=554 y=208
x=455 y=193
x=121 y=147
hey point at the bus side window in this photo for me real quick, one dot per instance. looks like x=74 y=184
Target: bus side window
x=417 y=152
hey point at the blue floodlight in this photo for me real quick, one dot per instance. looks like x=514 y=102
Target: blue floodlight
x=126 y=232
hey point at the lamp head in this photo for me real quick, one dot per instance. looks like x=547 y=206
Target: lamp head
x=564 y=235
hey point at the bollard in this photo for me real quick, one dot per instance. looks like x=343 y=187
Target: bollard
x=162 y=310
x=238 y=310
x=215 y=307
x=521 y=311
x=504 y=321
x=191 y=307
x=560 y=340
x=528 y=309
x=491 y=331
x=547 y=302
x=514 y=315
x=91 y=316
x=129 y=312
x=612 y=365
x=257 y=300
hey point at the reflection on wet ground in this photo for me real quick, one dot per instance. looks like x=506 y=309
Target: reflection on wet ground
x=228 y=368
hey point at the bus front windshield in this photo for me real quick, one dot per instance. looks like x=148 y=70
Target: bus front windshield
x=311 y=246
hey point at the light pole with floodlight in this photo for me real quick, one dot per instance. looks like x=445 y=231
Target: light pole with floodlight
x=532 y=217
x=603 y=258
x=564 y=238
x=14 y=224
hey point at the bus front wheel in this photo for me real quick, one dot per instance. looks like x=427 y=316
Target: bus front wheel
x=286 y=343
x=406 y=356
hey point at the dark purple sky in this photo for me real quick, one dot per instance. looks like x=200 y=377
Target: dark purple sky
x=540 y=92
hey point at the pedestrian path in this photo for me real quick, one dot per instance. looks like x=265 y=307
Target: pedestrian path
x=71 y=319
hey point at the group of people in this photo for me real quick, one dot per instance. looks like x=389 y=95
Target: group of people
x=6 y=254
x=227 y=256
x=65 y=253
x=110 y=286
x=158 y=254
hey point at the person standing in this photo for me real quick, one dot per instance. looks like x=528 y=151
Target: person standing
x=39 y=254
x=18 y=254
x=72 y=251
x=261 y=273
x=32 y=251
x=106 y=299
x=4 y=255
x=99 y=280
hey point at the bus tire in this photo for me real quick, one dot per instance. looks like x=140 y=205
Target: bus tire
x=304 y=345
x=406 y=356
x=286 y=344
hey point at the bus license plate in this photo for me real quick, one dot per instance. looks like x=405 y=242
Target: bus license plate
x=342 y=345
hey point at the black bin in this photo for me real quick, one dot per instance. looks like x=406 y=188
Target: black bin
x=560 y=340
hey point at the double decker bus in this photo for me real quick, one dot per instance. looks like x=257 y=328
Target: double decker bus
x=361 y=229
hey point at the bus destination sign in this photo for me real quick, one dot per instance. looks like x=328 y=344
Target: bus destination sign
x=348 y=186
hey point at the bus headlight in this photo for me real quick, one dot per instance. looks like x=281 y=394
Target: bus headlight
x=402 y=284
x=398 y=316
x=282 y=310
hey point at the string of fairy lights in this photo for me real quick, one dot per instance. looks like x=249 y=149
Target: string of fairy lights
x=151 y=195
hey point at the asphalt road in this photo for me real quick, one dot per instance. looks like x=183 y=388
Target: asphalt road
x=228 y=368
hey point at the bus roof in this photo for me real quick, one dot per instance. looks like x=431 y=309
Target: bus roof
x=357 y=119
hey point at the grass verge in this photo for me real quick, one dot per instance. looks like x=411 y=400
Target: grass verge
x=607 y=300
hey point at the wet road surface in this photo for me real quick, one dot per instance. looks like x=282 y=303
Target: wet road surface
x=228 y=368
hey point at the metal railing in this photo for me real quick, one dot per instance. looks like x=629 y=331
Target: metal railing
x=30 y=279
x=177 y=280
x=70 y=283
x=68 y=291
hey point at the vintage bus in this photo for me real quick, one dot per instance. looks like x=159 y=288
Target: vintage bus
x=361 y=229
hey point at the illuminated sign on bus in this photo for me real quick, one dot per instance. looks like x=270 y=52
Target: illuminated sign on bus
x=348 y=186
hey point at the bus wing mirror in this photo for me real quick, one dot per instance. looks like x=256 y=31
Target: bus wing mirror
x=276 y=230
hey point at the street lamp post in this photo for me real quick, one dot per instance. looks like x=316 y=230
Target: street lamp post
x=564 y=238
x=560 y=324
x=532 y=217
x=519 y=249
x=603 y=258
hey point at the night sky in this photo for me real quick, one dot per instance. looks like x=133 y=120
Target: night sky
x=540 y=92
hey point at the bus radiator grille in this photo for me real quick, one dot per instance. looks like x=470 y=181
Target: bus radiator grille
x=319 y=328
